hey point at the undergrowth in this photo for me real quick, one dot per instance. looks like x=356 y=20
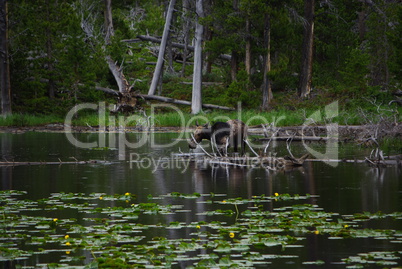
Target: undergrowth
x=172 y=116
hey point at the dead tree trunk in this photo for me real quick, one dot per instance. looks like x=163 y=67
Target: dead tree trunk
x=113 y=67
x=169 y=48
x=247 y=60
x=108 y=21
x=5 y=86
x=159 y=64
x=186 y=34
x=307 y=50
x=126 y=101
x=266 y=84
x=196 y=100
x=181 y=102
x=208 y=32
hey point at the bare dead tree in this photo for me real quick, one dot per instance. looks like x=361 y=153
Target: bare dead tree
x=186 y=33
x=196 y=101
x=89 y=20
x=116 y=70
x=161 y=55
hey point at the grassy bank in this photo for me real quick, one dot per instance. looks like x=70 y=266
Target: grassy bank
x=22 y=120
x=170 y=117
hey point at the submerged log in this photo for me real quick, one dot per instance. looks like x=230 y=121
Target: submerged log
x=267 y=162
x=279 y=163
x=8 y=163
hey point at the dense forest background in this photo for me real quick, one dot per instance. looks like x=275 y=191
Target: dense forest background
x=61 y=53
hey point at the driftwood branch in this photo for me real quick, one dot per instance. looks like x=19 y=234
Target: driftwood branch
x=192 y=137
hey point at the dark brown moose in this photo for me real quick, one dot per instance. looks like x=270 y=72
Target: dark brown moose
x=222 y=135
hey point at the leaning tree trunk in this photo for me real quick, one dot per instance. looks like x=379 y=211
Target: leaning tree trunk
x=113 y=67
x=118 y=75
x=162 y=48
x=266 y=84
x=307 y=50
x=196 y=101
x=127 y=101
x=5 y=86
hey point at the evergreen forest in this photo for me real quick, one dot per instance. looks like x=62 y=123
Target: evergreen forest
x=269 y=55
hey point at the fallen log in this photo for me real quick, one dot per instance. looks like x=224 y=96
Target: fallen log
x=206 y=83
x=180 y=102
x=295 y=138
x=163 y=99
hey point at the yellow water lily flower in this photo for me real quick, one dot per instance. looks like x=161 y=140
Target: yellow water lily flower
x=127 y=193
x=198 y=227
x=66 y=236
x=317 y=232
x=276 y=194
x=68 y=244
x=231 y=235
x=55 y=219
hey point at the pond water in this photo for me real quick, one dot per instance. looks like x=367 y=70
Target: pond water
x=143 y=206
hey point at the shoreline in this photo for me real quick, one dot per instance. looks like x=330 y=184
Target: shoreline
x=345 y=133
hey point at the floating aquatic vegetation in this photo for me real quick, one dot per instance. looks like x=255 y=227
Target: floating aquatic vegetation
x=380 y=258
x=118 y=231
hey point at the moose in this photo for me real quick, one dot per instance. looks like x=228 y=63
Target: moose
x=222 y=135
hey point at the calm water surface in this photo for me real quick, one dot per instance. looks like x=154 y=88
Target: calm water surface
x=346 y=189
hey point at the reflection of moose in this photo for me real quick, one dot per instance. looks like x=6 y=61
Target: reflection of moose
x=222 y=135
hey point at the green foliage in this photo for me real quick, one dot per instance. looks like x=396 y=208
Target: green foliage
x=242 y=91
x=396 y=37
x=51 y=52
x=21 y=120
x=355 y=71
